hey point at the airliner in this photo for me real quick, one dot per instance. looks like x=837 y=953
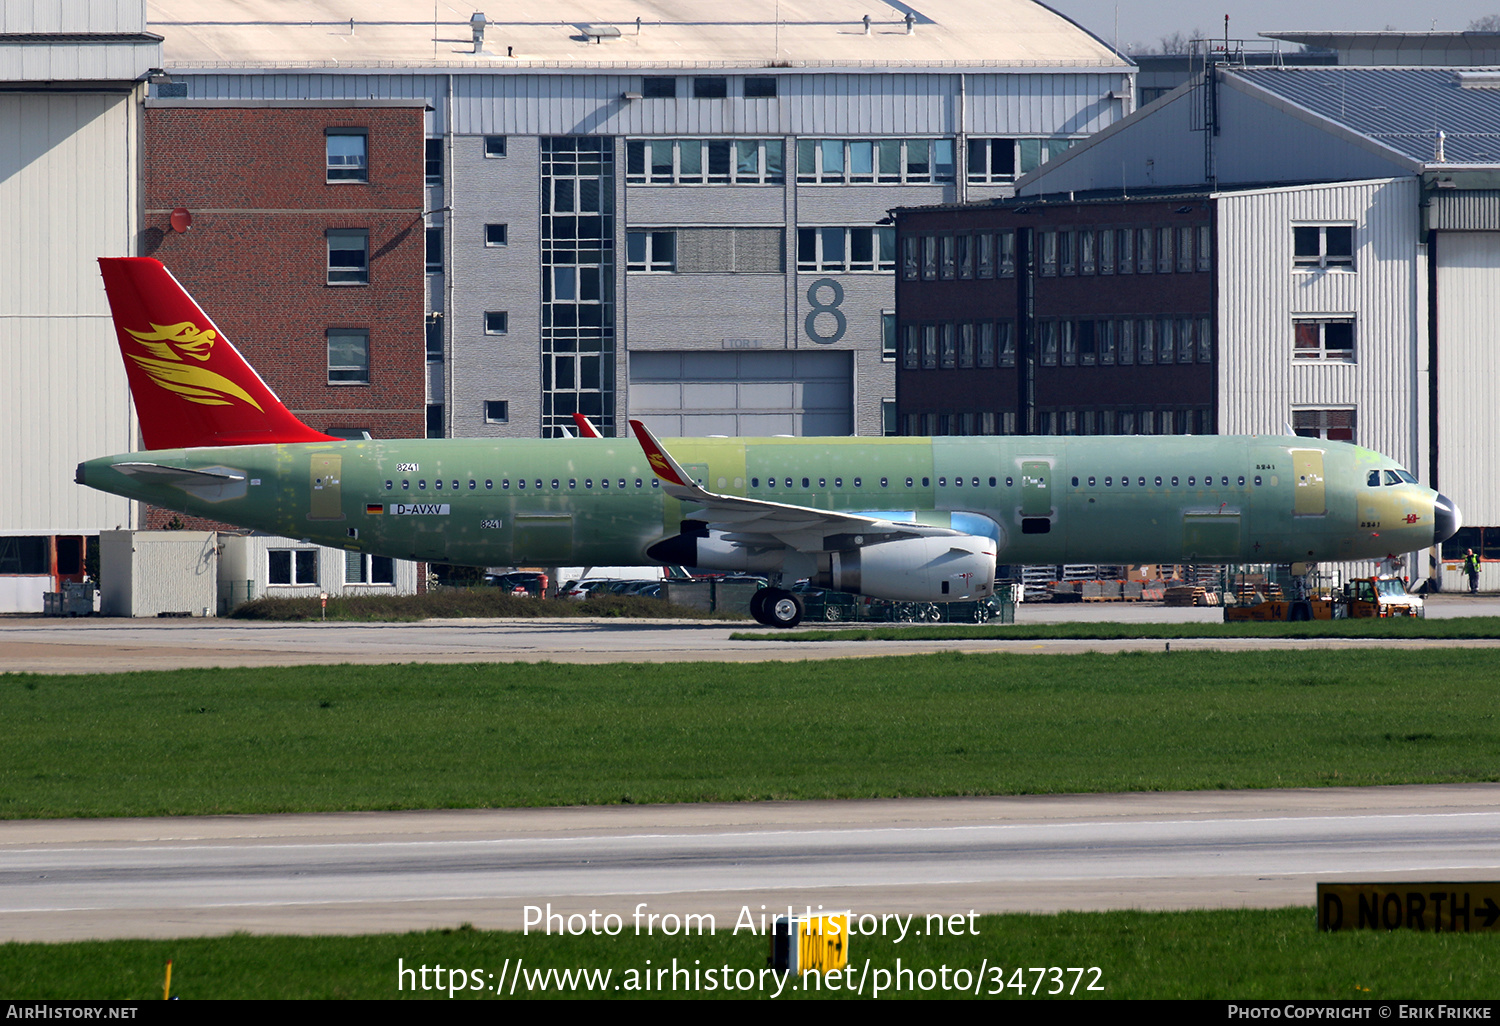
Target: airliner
x=910 y=519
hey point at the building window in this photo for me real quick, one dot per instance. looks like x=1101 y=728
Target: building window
x=434 y=331
x=434 y=154
x=348 y=257
x=712 y=87
x=1333 y=425
x=651 y=251
x=25 y=555
x=1323 y=339
x=497 y=411
x=362 y=568
x=659 y=88
x=992 y=160
x=890 y=423
x=347 y=156
x=348 y=356
x=888 y=335
x=496 y=322
x=1001 y=161
x=704 y=162
x=434 y=420
x=494 y=146
x=496 y=235
x=760 y=87
x=866 y=161
x=1323 y=245
x=1049 y=254
x=577 y=334
x=292 y=566
x=707 y=251
x=434 y=250
x=847 y=249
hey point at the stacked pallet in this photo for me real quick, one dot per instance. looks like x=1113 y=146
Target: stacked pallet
x=1186 y=595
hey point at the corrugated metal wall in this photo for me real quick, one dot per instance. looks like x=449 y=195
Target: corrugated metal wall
x=67 y=196
x=1260 y=294
x=1468 y=370
x=895 y=103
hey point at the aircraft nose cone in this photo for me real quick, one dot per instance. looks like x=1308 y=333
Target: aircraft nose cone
x=1447 y=519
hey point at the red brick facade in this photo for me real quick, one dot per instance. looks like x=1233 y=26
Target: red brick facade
x=256 y=257
x=255 y=180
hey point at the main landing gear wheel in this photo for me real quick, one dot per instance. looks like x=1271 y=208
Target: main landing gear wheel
x=779 y=608
x=758 y=606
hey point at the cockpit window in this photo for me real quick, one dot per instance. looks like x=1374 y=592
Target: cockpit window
x=1406 y=477
x=1372 y=479
x=1392 y=478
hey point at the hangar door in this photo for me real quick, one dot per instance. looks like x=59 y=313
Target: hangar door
x=744 y=393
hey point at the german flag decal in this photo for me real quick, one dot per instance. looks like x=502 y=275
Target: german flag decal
x=374 y=509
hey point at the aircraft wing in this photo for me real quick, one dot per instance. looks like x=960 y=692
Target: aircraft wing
x=758 y=522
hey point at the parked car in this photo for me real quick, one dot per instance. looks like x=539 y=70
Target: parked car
x=519 y=582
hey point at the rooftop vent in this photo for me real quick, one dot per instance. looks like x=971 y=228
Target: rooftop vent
x=1477 y=79
x=599 y=33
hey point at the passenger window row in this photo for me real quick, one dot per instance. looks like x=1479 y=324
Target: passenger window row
x=521 y=484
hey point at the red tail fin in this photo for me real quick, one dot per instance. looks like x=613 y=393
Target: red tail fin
x=191 y=386
x=586 y=427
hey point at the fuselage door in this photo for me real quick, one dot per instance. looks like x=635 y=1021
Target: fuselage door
x=1036 y=489
x=327 y=501
x=1307 y=471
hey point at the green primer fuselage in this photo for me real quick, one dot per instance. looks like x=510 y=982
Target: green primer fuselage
x=515 y=502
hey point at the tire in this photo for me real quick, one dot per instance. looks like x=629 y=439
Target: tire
x=781 y=608
x=832 y=613
x=757 y=607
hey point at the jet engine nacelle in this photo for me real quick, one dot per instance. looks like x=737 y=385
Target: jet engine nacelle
x=952 y=569
x=712 y=550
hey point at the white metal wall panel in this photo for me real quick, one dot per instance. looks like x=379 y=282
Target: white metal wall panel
x=67 y=197
x=1260 y=294
x=18 y=17
x=1468 y=366
x=1031 y=104
x=834 y=104
x=746 y=394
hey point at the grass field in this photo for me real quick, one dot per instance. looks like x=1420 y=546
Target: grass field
x=1242 y=954
x=1470 y=628
x=429 y=736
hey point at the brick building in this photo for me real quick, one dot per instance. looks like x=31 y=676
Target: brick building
x=306 y=247
x=1057 y=318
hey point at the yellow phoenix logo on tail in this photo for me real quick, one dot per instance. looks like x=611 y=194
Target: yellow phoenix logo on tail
x=168 y=344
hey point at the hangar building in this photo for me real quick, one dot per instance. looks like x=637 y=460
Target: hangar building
x=1306 y=247
x=633 y=209
x=72 y=81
